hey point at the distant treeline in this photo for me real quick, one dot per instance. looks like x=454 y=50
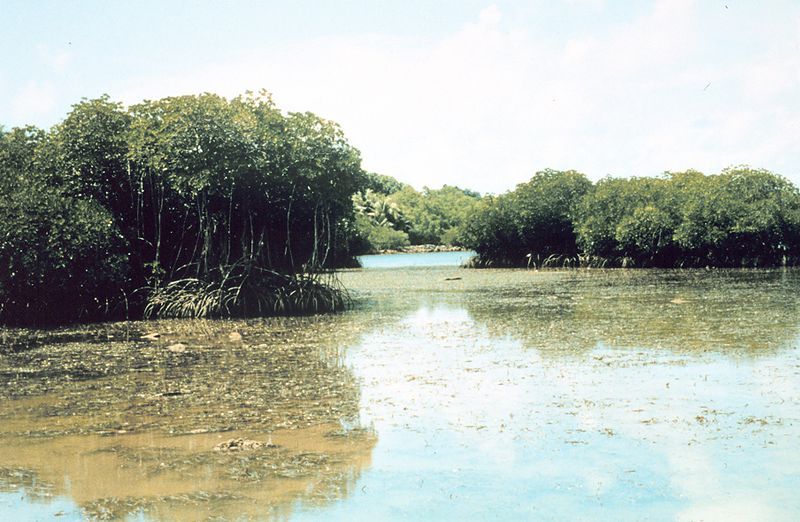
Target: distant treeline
x=742 y=217
x=184 y=206
x=203 y=206
x=392 y=215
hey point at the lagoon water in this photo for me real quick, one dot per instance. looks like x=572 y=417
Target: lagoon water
x=418 y=260
x=445 y=394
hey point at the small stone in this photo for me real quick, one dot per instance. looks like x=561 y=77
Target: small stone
x=177 y=348
x=235 y=336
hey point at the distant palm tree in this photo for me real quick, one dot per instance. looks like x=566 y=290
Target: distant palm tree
x=381 y=210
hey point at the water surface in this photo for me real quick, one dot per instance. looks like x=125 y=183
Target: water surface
x=418 y=260
x=444 y=394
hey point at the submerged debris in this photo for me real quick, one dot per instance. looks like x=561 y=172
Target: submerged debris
x=242 y=444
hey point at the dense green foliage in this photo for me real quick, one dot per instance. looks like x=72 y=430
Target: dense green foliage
x=61 y=258
x=372 y=237
x=380 y=210
x=741 y=217
x=379 y=224
x=533 y=219
x=392 y=220
x=383 y=184
x=436 y=216
x=183 y=188
x=204 y=206
x=17 y=149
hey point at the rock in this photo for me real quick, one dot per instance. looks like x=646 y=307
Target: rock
x=241 y=444
x=235 y=336
x=177 y=348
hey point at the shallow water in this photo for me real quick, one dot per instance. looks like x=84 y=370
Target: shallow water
x=445 y=394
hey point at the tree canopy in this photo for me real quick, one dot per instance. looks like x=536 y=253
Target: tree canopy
x=740 y=217
x=533 y=219
x=197 y=187
x=393 y=215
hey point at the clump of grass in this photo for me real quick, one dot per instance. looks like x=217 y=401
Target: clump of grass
x=537 y=261
x=591 y=261
x=480 y=261
x=247 y=292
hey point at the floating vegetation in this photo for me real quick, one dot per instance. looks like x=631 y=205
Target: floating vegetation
x=276 y=375
x=14 y=479
x=566 y=312
x=114 y=508
x=144 y=404
x=596 y=361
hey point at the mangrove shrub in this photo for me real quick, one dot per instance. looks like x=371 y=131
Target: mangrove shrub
x=740 y=217
x=61 y=259
x=186 y=188
x=534 y=221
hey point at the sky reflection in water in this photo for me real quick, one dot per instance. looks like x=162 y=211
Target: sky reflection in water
x=621 y=395
x=426 y=259
x=475 y=425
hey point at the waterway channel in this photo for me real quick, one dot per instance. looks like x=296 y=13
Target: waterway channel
x=444 y=394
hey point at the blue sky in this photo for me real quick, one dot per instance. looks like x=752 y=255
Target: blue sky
x=475 y=93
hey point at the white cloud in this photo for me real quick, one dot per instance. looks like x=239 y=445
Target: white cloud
x=488 y=105
x=592 y=4
x=35 y=98
x=742 y=508
x=58 y=60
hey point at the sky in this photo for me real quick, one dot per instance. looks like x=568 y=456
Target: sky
x=478 y=94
